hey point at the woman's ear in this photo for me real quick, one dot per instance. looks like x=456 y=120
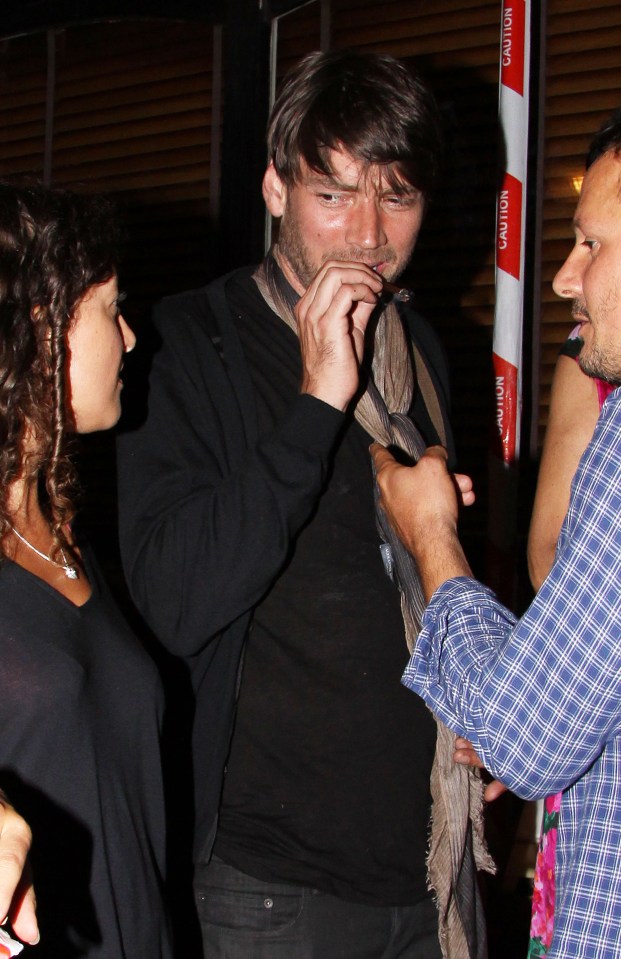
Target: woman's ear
x=274 y=192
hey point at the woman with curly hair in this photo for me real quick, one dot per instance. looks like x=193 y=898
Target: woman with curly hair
x=80 y=701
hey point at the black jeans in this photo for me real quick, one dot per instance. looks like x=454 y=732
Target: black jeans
x=246 y=918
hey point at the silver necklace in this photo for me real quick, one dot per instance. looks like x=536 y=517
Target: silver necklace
x=71 y=572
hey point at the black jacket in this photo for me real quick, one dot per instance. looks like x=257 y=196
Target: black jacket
x=208 y=509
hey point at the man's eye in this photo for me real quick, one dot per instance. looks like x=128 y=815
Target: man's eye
x=400 y=201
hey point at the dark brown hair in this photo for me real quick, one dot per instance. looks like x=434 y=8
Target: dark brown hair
x=370 y=104
x=607 y=138
x=54 y=246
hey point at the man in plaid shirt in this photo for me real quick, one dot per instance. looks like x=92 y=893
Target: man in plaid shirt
x=540 y=698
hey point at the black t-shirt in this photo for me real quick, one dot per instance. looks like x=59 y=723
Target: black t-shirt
x=80 y=709
x=327 y=782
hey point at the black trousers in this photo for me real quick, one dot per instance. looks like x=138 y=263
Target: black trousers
x=246 y=918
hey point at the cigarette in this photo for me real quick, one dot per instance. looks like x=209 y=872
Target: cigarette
x=399 y=293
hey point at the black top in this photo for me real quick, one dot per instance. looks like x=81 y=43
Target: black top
x=211 y=504
x=327 y=782
x=80 y=707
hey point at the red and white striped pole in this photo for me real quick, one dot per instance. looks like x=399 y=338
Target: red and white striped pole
x=508 y=317
x=511 y=217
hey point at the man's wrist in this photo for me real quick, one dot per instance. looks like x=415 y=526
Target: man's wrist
x=439 y=556
x=334 y=397
x=425 y=535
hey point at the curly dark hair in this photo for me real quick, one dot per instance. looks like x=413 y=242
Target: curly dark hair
x=54 y=246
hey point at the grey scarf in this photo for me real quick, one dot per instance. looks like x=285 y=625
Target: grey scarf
x=457 y=845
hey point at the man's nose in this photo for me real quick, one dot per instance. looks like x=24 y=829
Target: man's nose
x=365 y=228
x=568 y=281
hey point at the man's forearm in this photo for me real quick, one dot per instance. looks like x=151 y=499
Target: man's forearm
x=439 y=556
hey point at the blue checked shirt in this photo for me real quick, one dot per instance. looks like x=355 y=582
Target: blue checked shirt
x=540 y=698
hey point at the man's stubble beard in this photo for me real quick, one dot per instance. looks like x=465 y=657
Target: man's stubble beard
x=293 y=249
x=291 y=246
x=594 y=362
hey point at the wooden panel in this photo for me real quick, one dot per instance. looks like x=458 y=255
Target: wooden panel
x=132 y=117
x=22 y=105
x=298 y=33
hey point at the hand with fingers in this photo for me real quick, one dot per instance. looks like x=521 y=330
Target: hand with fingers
x=17 y=898
x=332 y=319
x=423 y=498
x=465 y=755
x=422 y=503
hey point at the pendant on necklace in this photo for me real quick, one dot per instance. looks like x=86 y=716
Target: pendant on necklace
x=71 y=572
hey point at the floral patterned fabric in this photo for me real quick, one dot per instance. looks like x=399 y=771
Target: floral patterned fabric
x=542 y=919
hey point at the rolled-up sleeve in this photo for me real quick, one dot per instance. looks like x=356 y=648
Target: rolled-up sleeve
x=538 y=697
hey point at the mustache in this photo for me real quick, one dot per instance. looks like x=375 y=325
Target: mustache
x=579 y=311
x=356 y=255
